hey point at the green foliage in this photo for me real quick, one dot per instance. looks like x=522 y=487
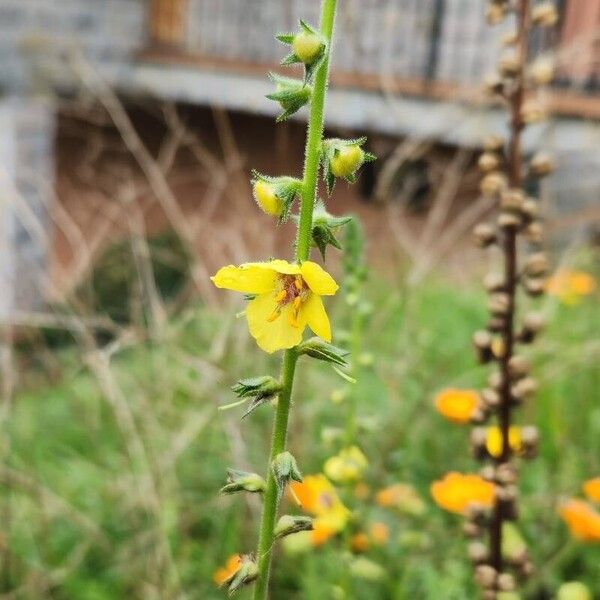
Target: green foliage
x=92 y=518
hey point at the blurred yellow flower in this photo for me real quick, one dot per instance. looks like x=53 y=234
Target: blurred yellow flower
x=591 y=489
x=359 y=542
x=493 y=442
x=570 y=286
x=223 y=574
x=583 y=521
x=402 y=497
x=380 y=533
x=457 y=405
x=317 y=496
x=347 y=466
x=456 y=492
x=287 y=298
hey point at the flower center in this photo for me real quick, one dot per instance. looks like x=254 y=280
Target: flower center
x=292 y=290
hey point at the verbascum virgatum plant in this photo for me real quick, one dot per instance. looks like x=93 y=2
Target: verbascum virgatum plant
x=489 y=500
x=286 y=297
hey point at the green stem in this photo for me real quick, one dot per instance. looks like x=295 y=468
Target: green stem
x=312 y=161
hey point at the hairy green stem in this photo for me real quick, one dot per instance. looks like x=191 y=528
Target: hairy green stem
x=312 y=161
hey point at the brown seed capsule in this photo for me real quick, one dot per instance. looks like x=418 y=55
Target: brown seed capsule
x=512 y=200
x=518 y=366
x=509 y=220
x=495 y=380
x=471 y=530
x=523 y=389
x=530 y=209
x=534 y=286
x=509 y=65
x=527 y=569
x=499 y=303
x=493 y=143
x=493 y=183
x=537 y=265
x=490 y=398
x=494 y=282
x=532 y=112
x=478 y=553
x=544 y=14
x=509 y=39
x=506 y=582
x=479 y=415
x=533 y=323
x=488 y=473
x=496 y=324
x=534 y=233
x=484 y=235
x=541 y=71
x=486 y=576
x=506 y=474
x=478 y=440
x=482 y=341
x=530 y=438
x=541 y=164
x=493 y=84
x=488 y=161
x=495 y=14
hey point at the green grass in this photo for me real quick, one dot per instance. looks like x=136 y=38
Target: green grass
x=99 y=510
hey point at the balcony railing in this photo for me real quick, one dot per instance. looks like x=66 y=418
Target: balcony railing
x=438 y=48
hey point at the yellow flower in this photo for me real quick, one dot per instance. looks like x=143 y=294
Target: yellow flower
x=317 y=496
x=583 y=521
x=456 y=492
x=347 y=467
x=493 y=441
x=287 y=299
x=591 y=488
x=457 y=405
x=380 y=532
x=570 y=286
x=402 y=497
x=223 y=574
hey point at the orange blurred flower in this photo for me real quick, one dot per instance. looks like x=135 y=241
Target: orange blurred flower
x=359 y=542
x=402 y=497
x=583 y=521
x=591 y=488
x=456 y=492
x=232 y=566
x=457 y=405
x=493 y=442
x=570 y=286
x=380 y=533
x=317 y=496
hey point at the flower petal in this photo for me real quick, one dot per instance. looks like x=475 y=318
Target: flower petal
x=249 y=278
x=277 y=334
x=312 y=312
x=318 y=280
x=278 y=265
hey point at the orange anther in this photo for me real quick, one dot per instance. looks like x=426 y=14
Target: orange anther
x=281 y=296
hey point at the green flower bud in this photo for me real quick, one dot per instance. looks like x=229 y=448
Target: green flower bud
x=285 y=469
x=267 y=200
x=307 y=46
x=260 y=389
x=347 y=160
x=292 y=95
x=241 y=481
x=289 y=524
x=363 y=568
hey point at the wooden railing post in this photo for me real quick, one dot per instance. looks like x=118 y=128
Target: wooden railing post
x=167 y=23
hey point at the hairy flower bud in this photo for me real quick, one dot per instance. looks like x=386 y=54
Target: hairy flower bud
x=534 y=286
x=307 y=46
x=518 y=366
x=478 y=553
x=537 y=265
x=493 y=143
x=506 y=582
x=488 y=161
x=289 y=524
x=512 y=200
x=484 y=235
x=241 y=481
x=292 y=95
x=486 y=576
x=494 y=282
x=264 y=194
x=523 y=389
x=544 y=14
x=509 y=65
x=533 y=112
x=534 y=233
x=533 y=323
x=285 y=469
x=317 y=348
x=499 y=303
x=541 y=71
x=482 y=341
x=509 y=220
x=541 y=164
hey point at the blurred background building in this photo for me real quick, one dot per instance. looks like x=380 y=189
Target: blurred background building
x=406 y=72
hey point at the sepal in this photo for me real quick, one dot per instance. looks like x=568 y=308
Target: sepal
x=324 y=228
x=242 y=481
x=246 y=574
x=289 y=524
x=317 y=348
x=292 y=95
x=260 y=389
